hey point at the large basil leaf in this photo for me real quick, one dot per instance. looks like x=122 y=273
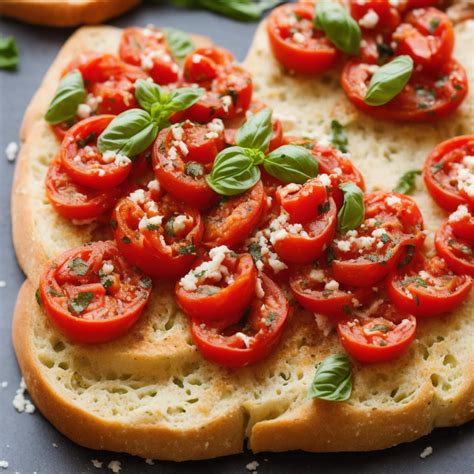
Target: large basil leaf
x=66 y=100
x=256 y=132
x=333 y=379
x=352 y=213
x=183 y=98
x=179 y=43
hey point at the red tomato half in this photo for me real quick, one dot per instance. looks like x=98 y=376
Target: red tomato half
x=253 y=338
x=92 y=294
x=386 y=17
x=221 y=295
x=295 y=41
x=161 y=237
x=83 y=161
x=427 y=288
x=449 y=170
x=73 y=201
x=381 y=334
x=428 y=96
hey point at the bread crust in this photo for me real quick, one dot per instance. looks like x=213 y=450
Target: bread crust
x=63 y=13
x=302 y=424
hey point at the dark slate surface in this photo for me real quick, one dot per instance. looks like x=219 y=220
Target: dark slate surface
x=26 y=441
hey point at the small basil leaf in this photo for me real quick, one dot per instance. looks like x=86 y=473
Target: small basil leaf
x=66 y=100
x=256 y=132
x=333 y=379
x=352 y=213
x=389 y=80
x=183 y=98
x=338 y=136
x=148 y=93
x=291 y=164
x=8 y=53
x=233 y=172
x=339 y=26
x=179 y=43
x=407 y=183
x=130 y=133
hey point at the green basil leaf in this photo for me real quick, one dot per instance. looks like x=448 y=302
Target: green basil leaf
x=339 y=26
x=183 y=98
x=333 y=379
x=256 y=132
x=179 y=43
x=407 y=183
x=66 y=100
x=291 y=164
x=338 y=136
x=352 y=213
x=233 y=172
x=8 y=53
x=148 y=93
x=130 y=133
x=389 y=80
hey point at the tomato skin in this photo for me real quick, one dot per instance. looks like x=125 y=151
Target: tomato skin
x=204 y=64
x=437 y=169
x=218 y=343
x=318 y=56
x=410 y=105
x=358 y=344
x=388 y=16
x=57 y=282
x=458 y=253
x=73 y=201
x=229 y=304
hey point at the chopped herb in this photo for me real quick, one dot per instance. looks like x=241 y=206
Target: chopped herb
x=38 y=297
x=330 y=255
x=385 y=51
x=126 y=240
x=437 y=167
x=338 y=136
x=346 y=309
x=382 y=343
x=441 y=81
x=458 y=87
x=80 y=303
x=53 y=292
x=385 y=238
x=151 y=227
x=146 y=282
x=379 y=328
x=82 y=142
x=407 y=183
x=327 y=293
x=79 y=267
x=194 y=169
x=208 y=290
x=113 y=224
x=415 y=281
x=8 y=53
x=256 y=251
x=233 y=96
x=233 y=254
x=434 y=23
x=408 y=257
x=417 y=300
x=169 y=227
x=324 y=209
x=106 y=281
x=187 y=249
x=372 y=257
x=271 y=317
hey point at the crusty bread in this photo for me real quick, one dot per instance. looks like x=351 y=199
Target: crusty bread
x=65 y=12
x=151 y=393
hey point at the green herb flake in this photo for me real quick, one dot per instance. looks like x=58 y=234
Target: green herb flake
x=194 y=169
x=379 y=328
x=80 y=303
x=187 y=249
x=146 y=282
x=339 y=136
x=8 y=53
x=79 y=267
x=126 y=240
x=407 y=183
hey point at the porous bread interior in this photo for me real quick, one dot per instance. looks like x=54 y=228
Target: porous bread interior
x=154 y=376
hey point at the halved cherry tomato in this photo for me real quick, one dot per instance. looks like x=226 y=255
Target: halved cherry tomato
x=296 y=42
x=462 y=223
x=205 y=64
x=218 y=287
x=161 y=238
x=379 y=334
x=148 y=48
x=182 y=156
x=364 y=256
x=92 y=294
x=448 y=170
x=426 y=35
x=385 y=16
x=233 y=219
x=73 y=201
x=458 y=252
x=427 y=287
x=428 y=96
x=83 y=161
x=314 y=288
x=253 y=338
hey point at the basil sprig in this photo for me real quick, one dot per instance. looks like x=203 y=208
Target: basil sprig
x=339 y=26
x=179 y=43
x=134 y=130
x=69 y=94
x=389 y=80
x=407 y=183
x=333 y=379
x=351 y=215
x=236 y=169
x=8 y=53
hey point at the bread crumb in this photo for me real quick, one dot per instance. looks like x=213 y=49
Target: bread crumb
x=428 y=451
x=4 y=464
x=115 y=466
x=97 y=464
x=11 y=150
x=22 y=404
x=252 y=466
x=150 y=462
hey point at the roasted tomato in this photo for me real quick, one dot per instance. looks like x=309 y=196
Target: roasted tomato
x=148 y=48
x=379 y=333
x=219 y=287
x=228 y=87
x=296 y=42
x=183 y=155
x=427 y=287
x=428 y=96
x=462 y=223
x=449 y=172
x=315 y=289
x=253 y=338
x=92 y=294
x=375 y=15
x=73 y=201
x=427 y=36
x=364 y=256
x=161 y=237
x=233 y=219
x=458 y=252
x=83 y=161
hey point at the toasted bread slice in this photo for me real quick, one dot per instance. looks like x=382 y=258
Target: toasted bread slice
x=65 y=12
x=151 y=394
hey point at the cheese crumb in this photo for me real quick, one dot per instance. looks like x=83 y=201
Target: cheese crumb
x=369 y=20
x=153 y=185
x=244 y=338
x=428 y=451
x=4 y=464
x=11 y=150
x=259 y=292
x=97 y=464
x=332 y=285
x=150 y=462
x=460 y=213
x=84 y=111
x=107 y=268
x=138 y=196
x=22 y=404
x=252 y=466
x=392 y=200
x=115 y=466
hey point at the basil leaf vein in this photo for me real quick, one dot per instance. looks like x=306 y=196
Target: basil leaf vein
x=352 y=213
x=257 y=131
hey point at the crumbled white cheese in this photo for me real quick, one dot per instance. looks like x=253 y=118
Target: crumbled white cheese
x=22 y=404
x=252 y=466
x=177 y=132
x=180 y=222
x=317 y=275
x=11 y=151
x=244 y=338
x=369 y=20
x=325 y=179
x=298 y=37
x=343 y=245
x=4 y=464
x=211 y=135
x=183 y=147
x=172 y=153
x=459 y=214
x=197 y=58
x=428 y=451
x=84 y=111
x=147 y=60
x=115 y=466
x=138 y=196
x=146 y=221
x=154 y=185
x=97 y=464
x=226 y=102
x=364 y=242
x=107 y=268
x=332 y=285
x=217 y=125
x=259 y=292
x=392 y=200
x=122 y=160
